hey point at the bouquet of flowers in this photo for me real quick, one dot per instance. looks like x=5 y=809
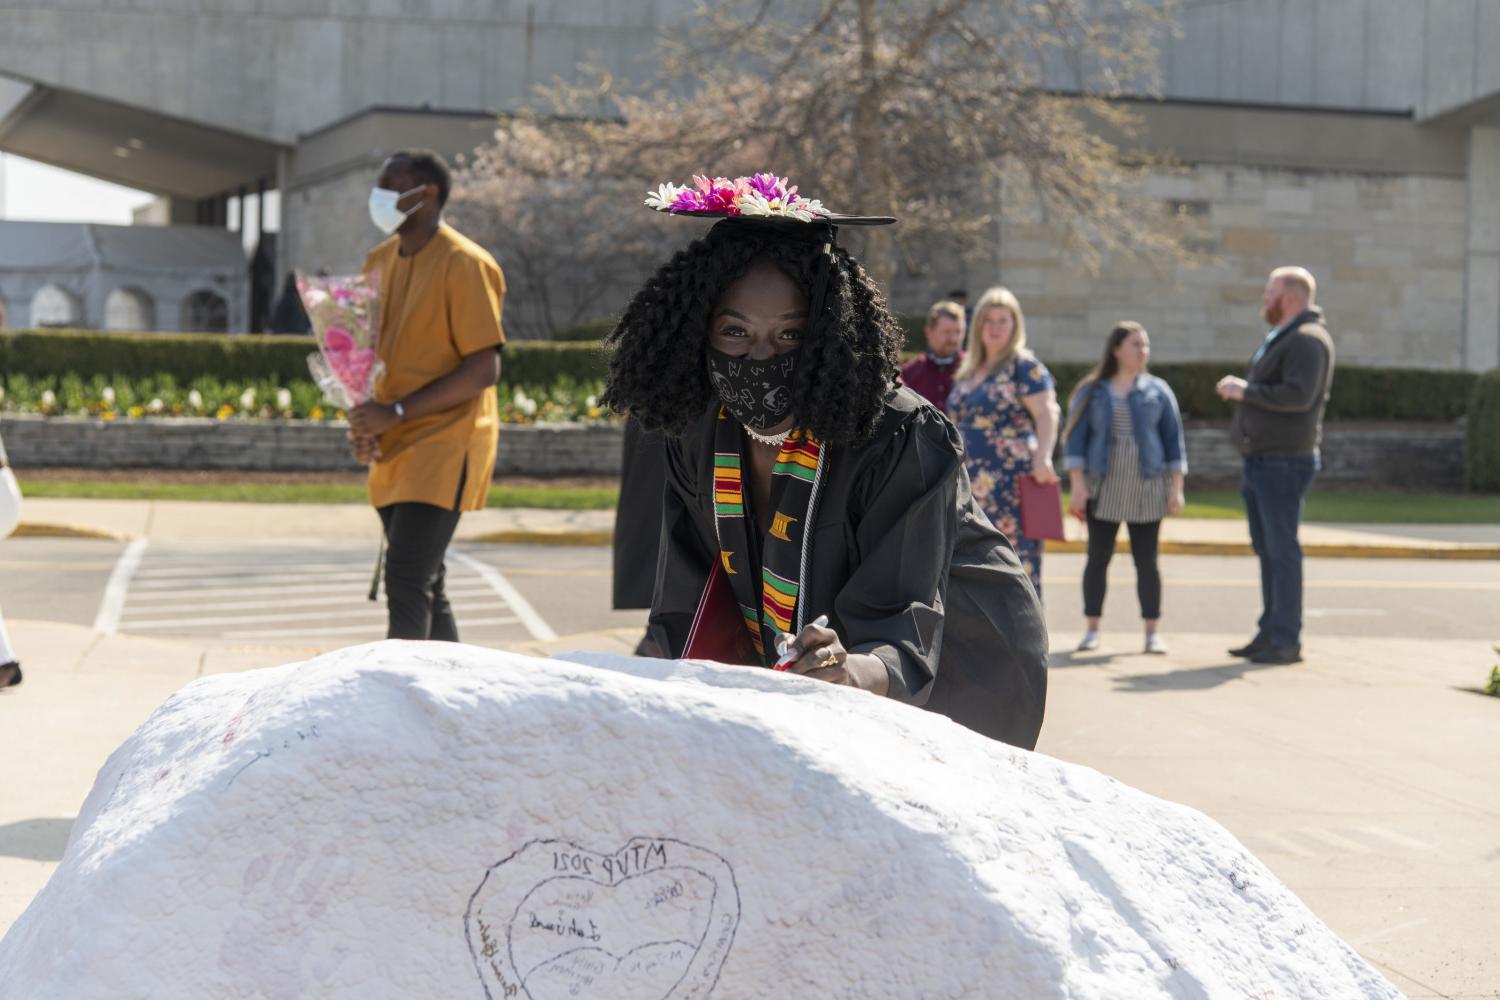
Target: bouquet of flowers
x=345 y=316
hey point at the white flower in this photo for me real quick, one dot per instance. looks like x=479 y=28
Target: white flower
x=283 y=399
x=754 y=203
x=806 y=209
x=247 y=399
x=49 y=398
x=591 y=401
x=108 y=395
x=662 y=198
x=156 y=405
x=195 y=399
x=2 y=393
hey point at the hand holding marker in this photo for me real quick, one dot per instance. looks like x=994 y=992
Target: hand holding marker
x=786 y=649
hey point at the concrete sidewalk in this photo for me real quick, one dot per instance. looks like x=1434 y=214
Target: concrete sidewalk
x=1363 y=778
x=173 y=520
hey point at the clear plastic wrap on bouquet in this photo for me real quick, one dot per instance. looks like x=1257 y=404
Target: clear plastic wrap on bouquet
x=345 y=314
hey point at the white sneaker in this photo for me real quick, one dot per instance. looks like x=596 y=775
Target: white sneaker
x=1089 y=642
x=1155 y=644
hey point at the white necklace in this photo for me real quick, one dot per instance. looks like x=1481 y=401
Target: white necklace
x=776 y=440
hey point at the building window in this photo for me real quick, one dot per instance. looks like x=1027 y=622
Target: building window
x=205 y=312
x=54 y=305
x=129 y=309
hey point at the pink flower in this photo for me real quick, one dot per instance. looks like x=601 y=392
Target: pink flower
x=338 y=339
x=353 y=369
x=687 y=200
x=771 y=187
x=762 y=194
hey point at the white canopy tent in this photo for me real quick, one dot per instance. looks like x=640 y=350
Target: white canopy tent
x=168 y=278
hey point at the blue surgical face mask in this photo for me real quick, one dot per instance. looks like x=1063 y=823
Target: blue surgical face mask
x=383 y=211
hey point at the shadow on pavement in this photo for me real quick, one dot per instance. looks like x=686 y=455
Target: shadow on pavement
x=35 y=839
x=1196 y=679
x=1073 y=658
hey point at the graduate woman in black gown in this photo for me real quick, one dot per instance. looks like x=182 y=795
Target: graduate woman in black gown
x=804 y=484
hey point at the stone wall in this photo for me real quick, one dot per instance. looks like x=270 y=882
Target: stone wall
x=1416 y=457
x=1423 y=456
x=277 y=445
x=1388 y=253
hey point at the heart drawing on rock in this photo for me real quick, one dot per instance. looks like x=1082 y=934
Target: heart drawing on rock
x=651 y=921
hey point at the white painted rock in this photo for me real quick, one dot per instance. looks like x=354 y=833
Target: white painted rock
x=426 y=820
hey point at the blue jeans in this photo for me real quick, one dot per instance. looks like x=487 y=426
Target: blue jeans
x=1273 y=487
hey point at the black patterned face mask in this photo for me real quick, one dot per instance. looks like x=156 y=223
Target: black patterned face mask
x=756 y=393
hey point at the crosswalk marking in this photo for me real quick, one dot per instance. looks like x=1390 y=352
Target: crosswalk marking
x=356 y=585
x=303 y=593
x=539 y=629
x=117 y=589
x=365 y=630
x=240 y=580
x=374 y=610
x=212 y=567
x=305 y=601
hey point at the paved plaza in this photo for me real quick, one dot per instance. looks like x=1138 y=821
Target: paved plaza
x=1363 y=777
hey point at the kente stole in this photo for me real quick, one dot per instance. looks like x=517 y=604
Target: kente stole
x=768 y=604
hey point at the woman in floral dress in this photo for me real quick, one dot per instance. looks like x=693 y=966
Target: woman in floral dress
x=1004 y=403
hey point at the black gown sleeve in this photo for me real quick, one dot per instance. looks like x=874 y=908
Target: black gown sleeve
x=638 y=517
x=684 y=559
x=904 y=507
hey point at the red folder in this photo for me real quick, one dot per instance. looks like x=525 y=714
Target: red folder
x=718 y=631
x=1041 y=509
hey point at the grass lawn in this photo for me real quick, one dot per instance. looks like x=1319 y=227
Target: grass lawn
x=1351 y=507
x=1362 y=507
x=550 y=497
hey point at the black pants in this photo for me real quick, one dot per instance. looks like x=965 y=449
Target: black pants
x=1143 y=543
x=416 y=538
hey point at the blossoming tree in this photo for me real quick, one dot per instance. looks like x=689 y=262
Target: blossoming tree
x=943 y=113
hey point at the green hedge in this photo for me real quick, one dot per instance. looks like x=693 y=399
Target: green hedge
x=1358 y=393
x=247 y=358
x=1408 y=394
x=1482 y=434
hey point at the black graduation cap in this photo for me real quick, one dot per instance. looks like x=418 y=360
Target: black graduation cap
x=764 y=200
x=758 y=198
x=831 y=219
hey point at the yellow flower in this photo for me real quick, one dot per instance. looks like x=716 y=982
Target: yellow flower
x=316 y=413
x=136 y=411
x=225 y=412
x=109 y=414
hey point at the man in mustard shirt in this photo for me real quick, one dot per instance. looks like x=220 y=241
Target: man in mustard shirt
x=430 y=432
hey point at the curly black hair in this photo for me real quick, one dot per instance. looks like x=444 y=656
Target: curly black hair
x=850 y=356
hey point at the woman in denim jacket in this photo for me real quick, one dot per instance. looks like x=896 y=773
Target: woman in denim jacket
x=1125 y=461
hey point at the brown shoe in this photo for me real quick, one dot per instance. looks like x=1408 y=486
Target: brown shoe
x=10 y=674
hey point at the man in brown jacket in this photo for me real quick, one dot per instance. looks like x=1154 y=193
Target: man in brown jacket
x=1277 y=426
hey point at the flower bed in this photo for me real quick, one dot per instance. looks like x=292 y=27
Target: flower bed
x=567 y=401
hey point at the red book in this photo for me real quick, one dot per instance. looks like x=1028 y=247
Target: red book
x=719 y=631
x=1041 y=509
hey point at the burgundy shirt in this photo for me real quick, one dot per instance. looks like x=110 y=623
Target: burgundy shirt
x=926 y=377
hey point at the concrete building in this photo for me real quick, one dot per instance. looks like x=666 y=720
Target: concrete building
x=1360 y=138
x=128 y=278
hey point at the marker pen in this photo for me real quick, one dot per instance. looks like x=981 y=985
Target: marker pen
x=788 y=651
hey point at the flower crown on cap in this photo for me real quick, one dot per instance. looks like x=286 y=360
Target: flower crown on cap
x=759 y=195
